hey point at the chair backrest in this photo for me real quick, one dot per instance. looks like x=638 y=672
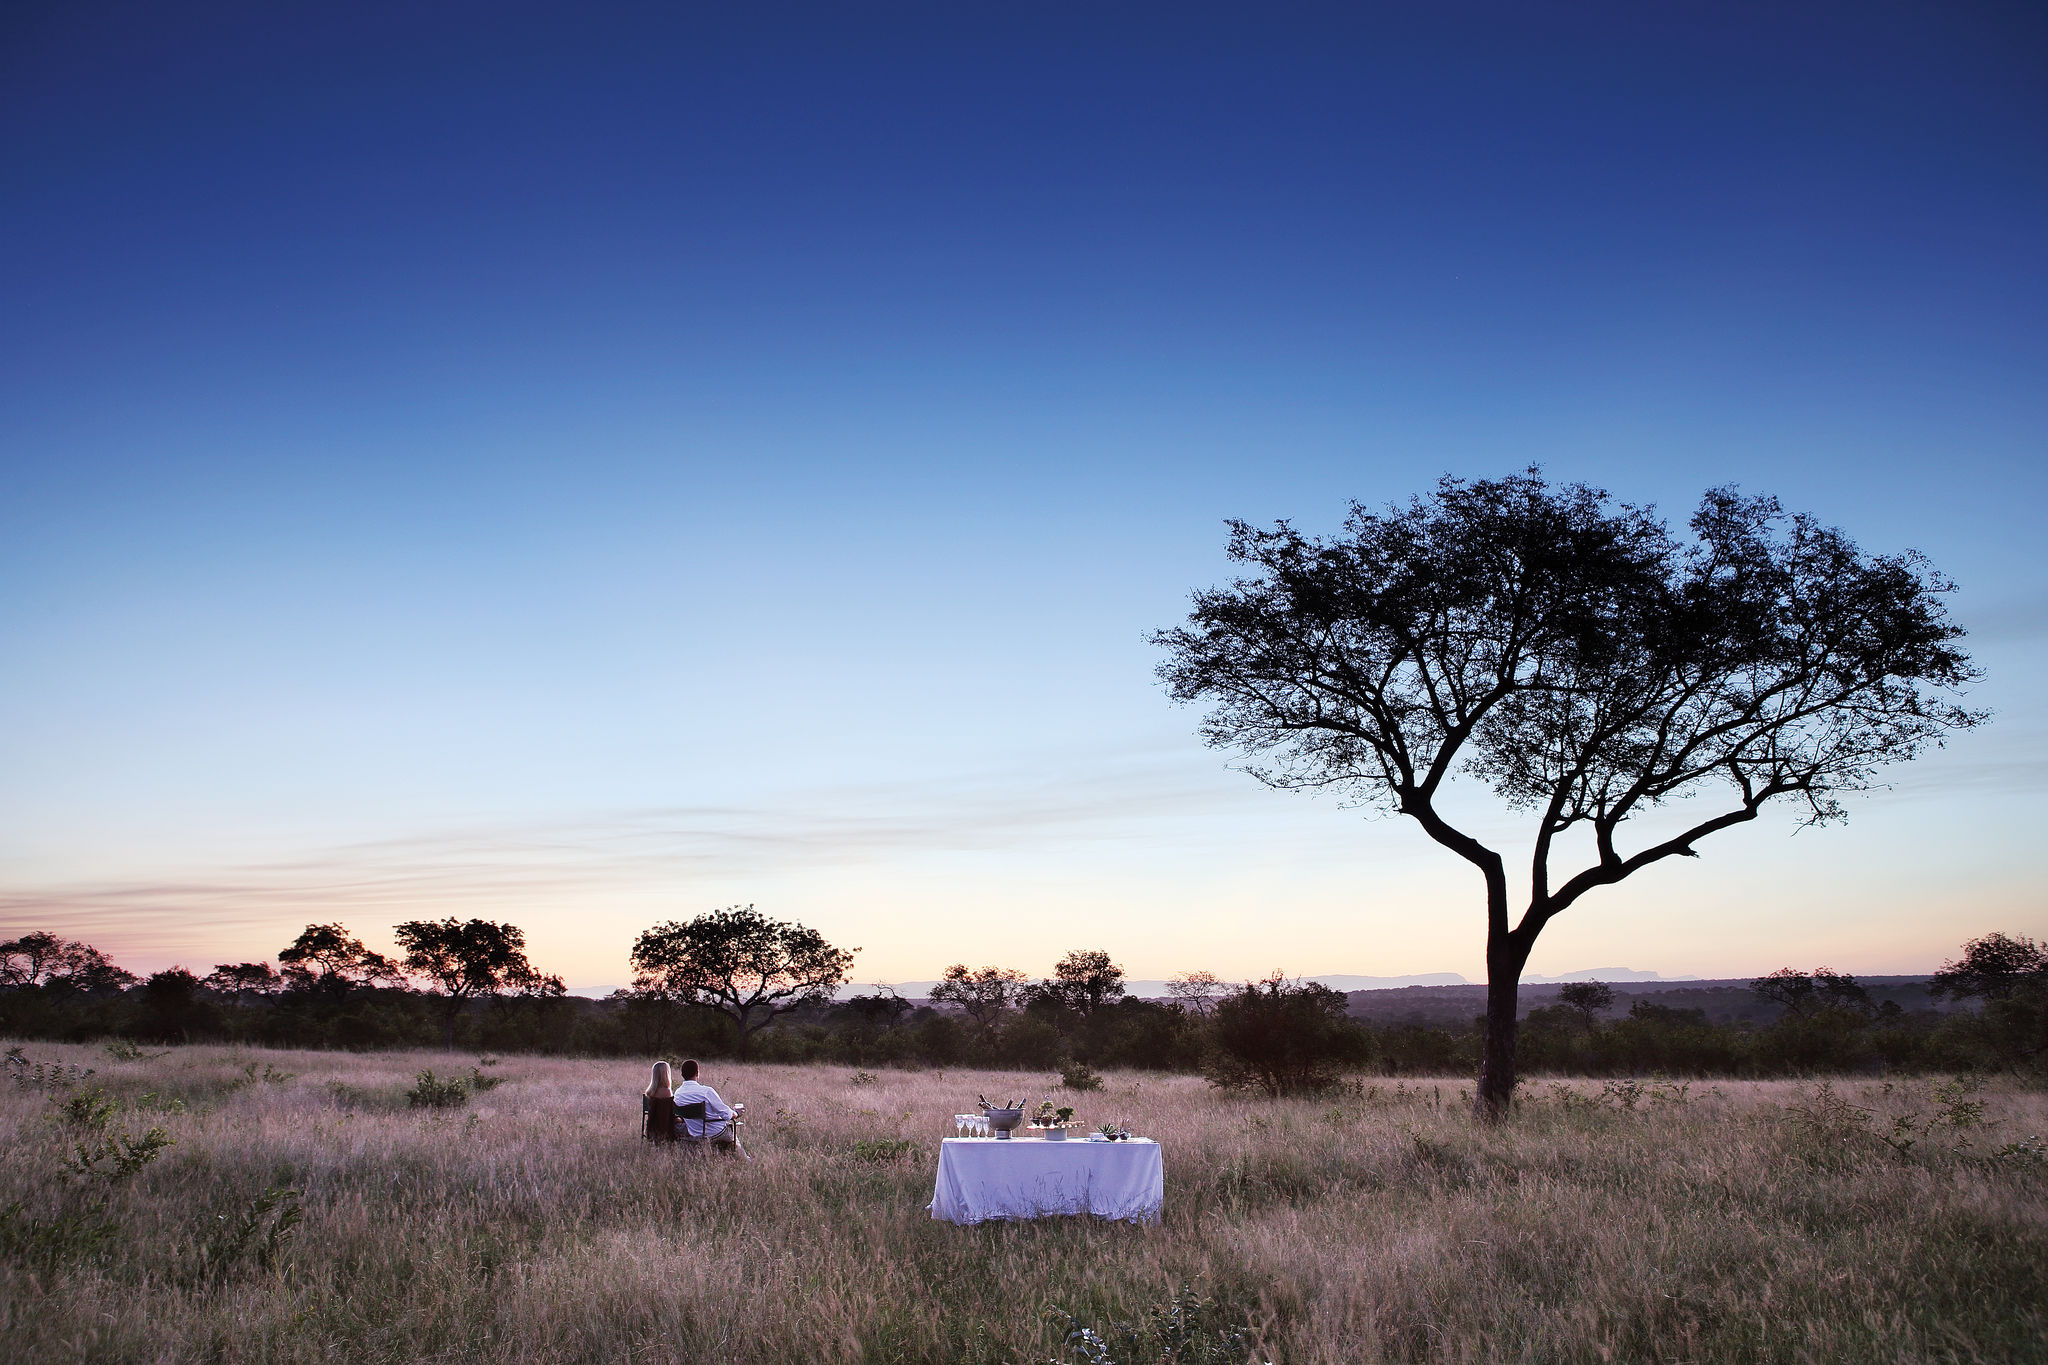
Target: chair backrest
x=657 y=1119
x=686 y=1114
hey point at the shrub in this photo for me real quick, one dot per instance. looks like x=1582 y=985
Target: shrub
x=429 y=1092
x=91 y=1109
x=1188 y=1329
x=1285 y=1038
x=261 y=1233
x=114 y=1159
x=65 y=1238
x=49 y=1076
x=1079 y=1076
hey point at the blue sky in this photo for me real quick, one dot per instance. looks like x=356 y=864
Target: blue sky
x=592 y=467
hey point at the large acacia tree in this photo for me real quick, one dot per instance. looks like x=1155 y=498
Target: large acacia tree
x=471 y=960
x=739 y=963
x=1582 y=661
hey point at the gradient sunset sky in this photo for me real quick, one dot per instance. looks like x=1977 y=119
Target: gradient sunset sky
x=587 y=465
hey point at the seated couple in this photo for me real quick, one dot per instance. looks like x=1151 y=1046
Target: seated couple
x=687 y=1110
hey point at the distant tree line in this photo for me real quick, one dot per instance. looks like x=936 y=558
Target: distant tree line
x=737 y=983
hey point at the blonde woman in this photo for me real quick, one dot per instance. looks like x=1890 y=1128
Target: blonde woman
x=658 y=1107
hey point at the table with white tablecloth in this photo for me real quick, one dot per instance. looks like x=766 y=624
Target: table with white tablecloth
x=984 y=1178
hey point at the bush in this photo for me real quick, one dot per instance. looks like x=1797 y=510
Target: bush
x=1079 y=1076
x=114 y=1159
x=428 y=1092
x=1188 y=1329
x=1285 y=1038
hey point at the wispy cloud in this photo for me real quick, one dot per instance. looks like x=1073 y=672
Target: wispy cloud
x=544 y=862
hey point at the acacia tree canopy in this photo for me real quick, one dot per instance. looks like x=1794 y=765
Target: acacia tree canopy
x=329 y=957
x=471 y=961
x=1588 y=999
x=983 y=994
x=1085 y=980
x=739 y=963
x=1997 y=967
x=43 y=959
x=1583 y=662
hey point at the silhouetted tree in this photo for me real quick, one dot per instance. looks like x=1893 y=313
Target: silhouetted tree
x=172 y=1007
x=1083 y=982
x=1196 y=992
x=1994 y=967
x=43 y=959
x=983 y=995
x=2010 y=975
x=473 y=960
x=1581 y=661
x=326 y=957
x=243 y=980
x=1587 y=999
x=739 y=963
x=1803 y=995
x=27 y=960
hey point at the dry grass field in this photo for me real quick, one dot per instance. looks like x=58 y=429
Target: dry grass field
x=1715 y=1223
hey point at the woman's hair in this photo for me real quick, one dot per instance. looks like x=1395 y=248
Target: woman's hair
x=659 y=1087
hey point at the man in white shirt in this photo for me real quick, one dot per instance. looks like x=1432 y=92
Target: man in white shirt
x=718 y=1115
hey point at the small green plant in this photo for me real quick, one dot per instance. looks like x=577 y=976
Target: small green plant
x=1828 y=1117
x=1953 y=1106
x=270 y=1075
x=1626 y=1094
x=82 y=1235
x=478 y=1081
x=1570 y=1100
x=161 y=1104
x=1079 y=1076
x=1904 y=1134
x=430 y=1092
x=863 y=1078
x=261 y=1233
x=1188 y=1329
x=122 y=1050
x=48 y=1076
x=91 y=1109
x=2028 y=1151
x=881 y=1151
x=118 y=1157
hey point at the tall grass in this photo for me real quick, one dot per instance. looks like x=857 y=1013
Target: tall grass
x=1739 y=1222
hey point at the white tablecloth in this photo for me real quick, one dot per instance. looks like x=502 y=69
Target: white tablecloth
x=982 y=1178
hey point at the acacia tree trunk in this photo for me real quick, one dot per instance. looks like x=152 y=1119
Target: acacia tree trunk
x=1506 y=955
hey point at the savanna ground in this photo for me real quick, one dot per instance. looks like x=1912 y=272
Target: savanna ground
x=1727 y=1222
